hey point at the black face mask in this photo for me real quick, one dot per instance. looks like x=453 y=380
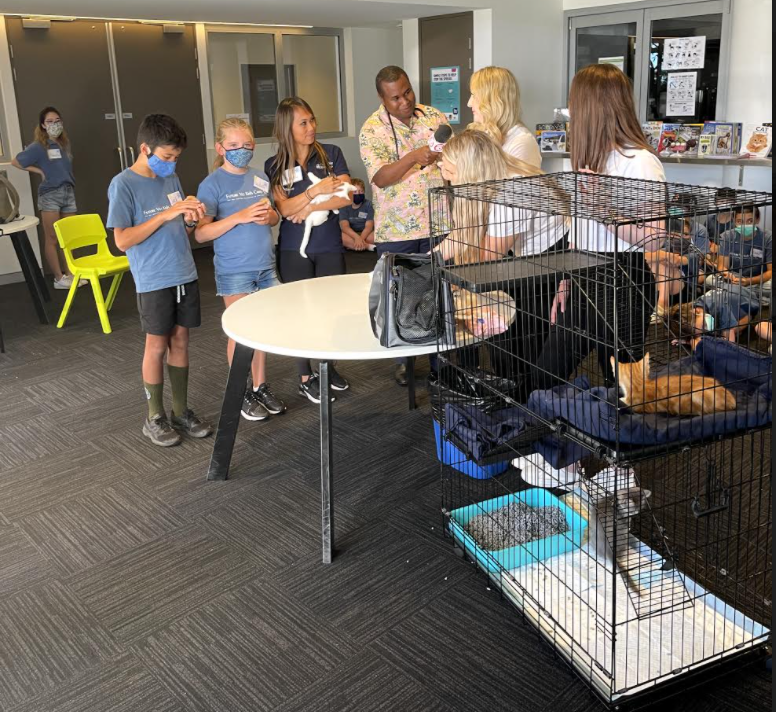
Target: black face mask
x=358 y=198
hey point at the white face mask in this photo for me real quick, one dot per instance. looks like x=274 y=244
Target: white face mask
x=54 y=130
x=708 y=322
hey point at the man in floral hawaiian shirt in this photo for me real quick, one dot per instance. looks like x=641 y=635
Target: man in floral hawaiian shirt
x=401 y=167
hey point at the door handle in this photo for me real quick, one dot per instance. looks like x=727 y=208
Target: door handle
x=132 y=154
x=121 y=158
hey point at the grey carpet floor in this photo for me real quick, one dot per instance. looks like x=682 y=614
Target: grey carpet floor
x=130 y=584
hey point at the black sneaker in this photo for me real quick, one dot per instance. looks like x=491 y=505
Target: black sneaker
x=336 y=382
x=160 y=432
x=191 y=424
x=311 y=389
x=269 y=400
x=252 y=407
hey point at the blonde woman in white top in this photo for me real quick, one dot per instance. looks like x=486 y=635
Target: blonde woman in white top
x=495 y=99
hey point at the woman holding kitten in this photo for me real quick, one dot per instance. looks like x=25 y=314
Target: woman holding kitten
x=298 y=155
x=238 y=218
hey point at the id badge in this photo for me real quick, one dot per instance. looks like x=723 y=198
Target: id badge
x=261 y=184
x=757 y=253
x=295 y=176
x=174 y=197
x=54 y=154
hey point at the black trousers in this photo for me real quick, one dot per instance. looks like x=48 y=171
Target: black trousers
x=294 y=268
x=623 y=294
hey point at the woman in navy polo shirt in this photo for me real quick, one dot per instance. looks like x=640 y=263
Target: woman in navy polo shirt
x=299 y=154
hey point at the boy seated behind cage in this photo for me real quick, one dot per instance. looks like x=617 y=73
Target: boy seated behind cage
x=745 y=258
x=683 y=258
x=718 y=312
x=357 y=221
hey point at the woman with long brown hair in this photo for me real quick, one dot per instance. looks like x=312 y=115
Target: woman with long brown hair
x=606 y=139
x=300 y=154
x=49 y=156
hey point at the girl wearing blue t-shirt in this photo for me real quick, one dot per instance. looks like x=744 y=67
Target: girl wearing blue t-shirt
x=238 y=218
x=50 y=157
x=299 y=154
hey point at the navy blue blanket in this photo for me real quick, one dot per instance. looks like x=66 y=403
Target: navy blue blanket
x=595 y=410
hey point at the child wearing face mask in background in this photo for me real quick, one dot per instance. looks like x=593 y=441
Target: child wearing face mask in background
x=357 y=221
x=721 y=222
x=151 y=222
x=50 y=157
x=238 y=218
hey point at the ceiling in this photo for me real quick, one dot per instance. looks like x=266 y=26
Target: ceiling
x=320 y=13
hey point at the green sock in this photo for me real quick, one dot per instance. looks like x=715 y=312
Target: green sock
x=179 y=385
x=155 y=397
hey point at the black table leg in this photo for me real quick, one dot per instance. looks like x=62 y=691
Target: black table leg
x=33 y=262
x=327 y=465
x=411 y=383
x=230 y=413
x=32 y=275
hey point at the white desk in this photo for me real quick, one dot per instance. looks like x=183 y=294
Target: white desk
x=17 y=231
x=325 y=319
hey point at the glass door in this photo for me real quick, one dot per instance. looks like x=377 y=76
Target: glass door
x=687 y=52
x=609 y=38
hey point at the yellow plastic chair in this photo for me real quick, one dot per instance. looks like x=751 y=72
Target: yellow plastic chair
x=79 y=231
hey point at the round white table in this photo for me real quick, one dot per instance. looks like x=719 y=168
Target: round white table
x=33 y=276
x=325 y=319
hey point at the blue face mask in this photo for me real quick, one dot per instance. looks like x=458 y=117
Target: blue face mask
x=161 y=168
x=746 y=230
x=358 y=198
x=239 y=157
x=675 y=210
x=708 y=322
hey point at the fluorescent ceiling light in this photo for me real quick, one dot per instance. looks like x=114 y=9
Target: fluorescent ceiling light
x=62 y=18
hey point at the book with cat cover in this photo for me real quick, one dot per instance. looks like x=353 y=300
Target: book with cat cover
x=553 y=141
x=757 y=141
x=652 y=131
x=679 y=140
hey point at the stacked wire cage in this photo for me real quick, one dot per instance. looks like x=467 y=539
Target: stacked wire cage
x=604 y=420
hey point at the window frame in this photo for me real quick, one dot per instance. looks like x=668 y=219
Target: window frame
x=643 y=14
x=280 y=76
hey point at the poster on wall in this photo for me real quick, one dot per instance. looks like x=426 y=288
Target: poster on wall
x=681 y=94
x=446 y=92
x=684 y=53
x=618 y=62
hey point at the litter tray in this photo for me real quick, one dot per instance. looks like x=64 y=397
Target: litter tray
x=531 y=552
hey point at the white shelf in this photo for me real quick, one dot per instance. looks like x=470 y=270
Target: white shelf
x=693 y=160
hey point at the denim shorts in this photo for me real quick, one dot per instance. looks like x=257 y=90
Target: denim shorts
x=228 y=285
x=59 y=200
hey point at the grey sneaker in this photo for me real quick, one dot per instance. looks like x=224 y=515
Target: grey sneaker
x=269 y=400
x=311 y=389
x=160 y=432
x=191 y=424
x=252 y=407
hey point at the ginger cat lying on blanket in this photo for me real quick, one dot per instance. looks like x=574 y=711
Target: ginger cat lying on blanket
x=674 y=395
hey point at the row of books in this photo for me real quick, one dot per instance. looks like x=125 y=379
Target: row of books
x=710 y=140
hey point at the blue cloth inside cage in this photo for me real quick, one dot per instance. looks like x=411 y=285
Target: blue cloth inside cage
x=594 y=411
x=480 y=432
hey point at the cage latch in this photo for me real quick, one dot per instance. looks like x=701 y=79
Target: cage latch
x=724 y=499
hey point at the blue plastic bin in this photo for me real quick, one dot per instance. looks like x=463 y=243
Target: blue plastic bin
x=529 y=553
x=449 y=454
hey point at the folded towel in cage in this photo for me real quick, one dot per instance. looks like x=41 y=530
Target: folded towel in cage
x=480 y=432
x=597 y=412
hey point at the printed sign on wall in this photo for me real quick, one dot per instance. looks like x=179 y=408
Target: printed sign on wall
x=446 y=92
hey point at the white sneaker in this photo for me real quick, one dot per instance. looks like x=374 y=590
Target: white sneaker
x=66 y=281
x=371 y=248
x=537 y=472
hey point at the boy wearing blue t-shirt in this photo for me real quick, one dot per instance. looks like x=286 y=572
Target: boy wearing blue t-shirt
x=151 y=222
x=746 y=257
x=238 y=219
x=357 y=221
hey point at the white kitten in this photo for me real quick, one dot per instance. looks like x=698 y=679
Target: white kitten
x=318 y=217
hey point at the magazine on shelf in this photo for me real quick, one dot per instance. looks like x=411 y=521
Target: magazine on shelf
x=652 y=131
x=553 y=141
x=757 y=140
x=679 y=140
x=725 y=138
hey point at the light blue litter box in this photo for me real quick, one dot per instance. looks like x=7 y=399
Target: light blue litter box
x=516 y=556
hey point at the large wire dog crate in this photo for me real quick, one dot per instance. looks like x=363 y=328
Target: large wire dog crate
x=604 y=420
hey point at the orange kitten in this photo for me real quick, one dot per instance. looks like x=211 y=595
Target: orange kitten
x=675 y=395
